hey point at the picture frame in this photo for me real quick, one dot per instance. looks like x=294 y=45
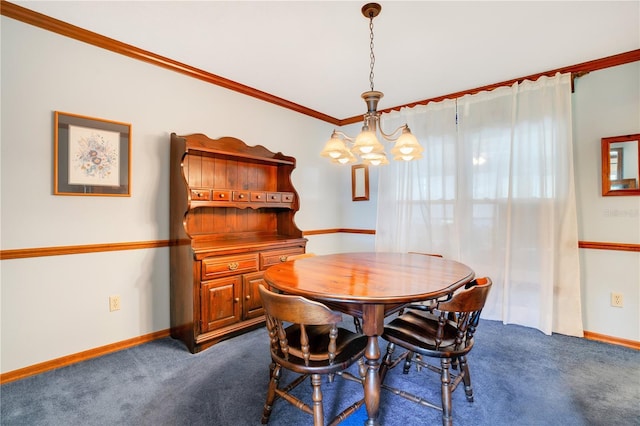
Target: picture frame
x=360 y=182
x=92 y=156
x=620 y=165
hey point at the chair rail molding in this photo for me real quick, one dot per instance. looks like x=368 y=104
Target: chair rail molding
x=95 y=248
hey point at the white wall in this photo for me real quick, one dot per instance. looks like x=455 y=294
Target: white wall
x=607 y=103
x=56 y=306
x=360 y=215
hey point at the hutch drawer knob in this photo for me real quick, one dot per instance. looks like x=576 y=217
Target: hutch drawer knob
x=247 y=297
x=236 y=300
x=221 y=195
x=233 y=266
x=241 y=196
x=283 y=258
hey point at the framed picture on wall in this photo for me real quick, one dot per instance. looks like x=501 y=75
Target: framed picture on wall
x=360 y=182
x=92 y=156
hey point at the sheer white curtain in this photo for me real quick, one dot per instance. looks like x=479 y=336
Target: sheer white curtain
x=494 y=190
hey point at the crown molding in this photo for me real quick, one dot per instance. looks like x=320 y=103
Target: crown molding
x=45 y=22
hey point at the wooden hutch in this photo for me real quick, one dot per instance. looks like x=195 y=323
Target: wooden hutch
x=232 y=210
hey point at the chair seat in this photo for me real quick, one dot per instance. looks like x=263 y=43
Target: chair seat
x=349 y=347
x=417 y=332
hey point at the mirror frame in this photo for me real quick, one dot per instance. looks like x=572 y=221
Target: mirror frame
x=359 y=182
x=606 y=165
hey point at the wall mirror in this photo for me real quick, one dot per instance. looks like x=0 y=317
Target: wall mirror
x=360 y=182
x=620 y=160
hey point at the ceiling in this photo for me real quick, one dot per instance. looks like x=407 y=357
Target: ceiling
x=316 y=53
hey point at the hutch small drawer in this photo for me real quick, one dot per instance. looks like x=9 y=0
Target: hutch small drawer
x=274 y=197
x=242 y=196
x=287 y=197
x=200 y=194
x=221 y=196
x=258 y=197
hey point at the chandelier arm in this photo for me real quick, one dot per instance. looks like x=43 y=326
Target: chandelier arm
x=391 y=136
x=344 y=135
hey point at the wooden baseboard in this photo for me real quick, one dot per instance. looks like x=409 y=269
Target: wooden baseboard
x=80 y=356
x=590 y=335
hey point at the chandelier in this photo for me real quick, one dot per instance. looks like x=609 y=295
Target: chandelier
x=366 y=147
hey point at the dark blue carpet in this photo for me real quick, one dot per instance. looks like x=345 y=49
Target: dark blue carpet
x=519 y=375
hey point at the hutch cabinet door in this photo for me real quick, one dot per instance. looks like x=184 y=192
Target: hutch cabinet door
x=252 y=306
x=220 y=303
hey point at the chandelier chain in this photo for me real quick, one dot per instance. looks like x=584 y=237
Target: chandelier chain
x=371 y=55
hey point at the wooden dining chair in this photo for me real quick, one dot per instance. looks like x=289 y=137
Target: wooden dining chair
x=444 y=331
x=305 y=339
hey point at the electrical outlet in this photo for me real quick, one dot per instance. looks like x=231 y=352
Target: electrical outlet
x=114 y=303
x=616 y=300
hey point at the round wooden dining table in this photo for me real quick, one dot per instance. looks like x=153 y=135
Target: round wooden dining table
x=369 y=286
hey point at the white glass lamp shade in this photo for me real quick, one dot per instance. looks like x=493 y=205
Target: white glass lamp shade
x=408 y=157
x=407 y=147
x=375 y=159
x=367 y=143
x=346 y=158
x=334 y=148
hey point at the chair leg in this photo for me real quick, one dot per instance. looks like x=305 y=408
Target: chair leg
x=272 y=366
x=386 y=361
x=446 y=392
x=362 y=369
x=407 y=363
x=318 y=412
x=271 y=392
x=466 y=378
x=454 y=364
x=357 y=325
